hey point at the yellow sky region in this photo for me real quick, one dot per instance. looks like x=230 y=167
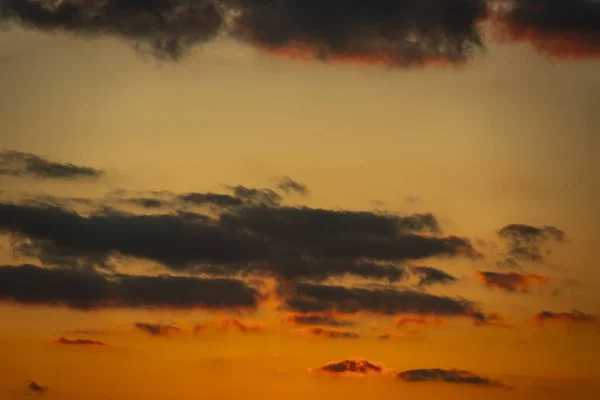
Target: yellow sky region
x=512 y=139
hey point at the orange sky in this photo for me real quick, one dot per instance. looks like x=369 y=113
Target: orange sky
x=509 y=138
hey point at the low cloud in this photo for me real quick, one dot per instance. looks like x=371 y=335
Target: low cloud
x=419 y=322
x=88 y=290
x=157 y=329
x=290 y=186
x=327 y=333
x=526 y=243
x=35 y=388
x=243 y=327
x=573 y=317
x=315 y=298
x=319 y=319
x=511 y=281
x=78 y=342
x=447 y=376
x=255 y=238
x=352 y=367
x=19 y=164
x=430 y=276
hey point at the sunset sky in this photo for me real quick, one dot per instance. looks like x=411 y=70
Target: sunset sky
x=247 y=199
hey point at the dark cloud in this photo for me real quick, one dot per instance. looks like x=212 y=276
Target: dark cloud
x=35 y=388
x=260 y=197
x=431 y=276
x=446 y=375
x=212 y=199
x=558 y=29
x=244 y=327
x=157 y=329
x=390 y=32
x=16 y=163
x=256 y=238
x=87 y=290
x=419 y=322
x=165 y=28
x=319 y=319
x=353 y=366
x=289 y=186
x=572 y=317
x=314 y=298
x=511 y=281
x=329 y=333
x=525 y=242
x=173 y=240
x=79 y=342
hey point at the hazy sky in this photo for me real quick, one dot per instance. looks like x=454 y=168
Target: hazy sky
x=324 y=199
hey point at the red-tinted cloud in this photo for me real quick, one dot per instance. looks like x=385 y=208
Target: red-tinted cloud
x=559 y=29
x=511 y=281
x=78 y=342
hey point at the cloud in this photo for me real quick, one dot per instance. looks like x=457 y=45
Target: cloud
x=352 y=367
x=525 y=242
x=173 y=240
x=255 y=238
x=319 y=319
x=35 y=388
x=88 y=290
x=419 y=322
x=313 y=298
x=572 y=317
x=447 y=376
x=328 y=333
x=19 y=164
x=431 y=276
x=399 y=33
x=157 y=329
x=511 y=281
x=556 y=28
x=244 y=327
x=166 y=29
x=78 y=342
x=289 y=186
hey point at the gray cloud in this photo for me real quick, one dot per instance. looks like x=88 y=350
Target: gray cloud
x=167 y=29
x=525 y=242
x=255 y=238
x=353 y=366
x=387 y=31
x=319 y=319
x=431 y=276
x=19 y=164
x=78 y=342
x=446 y=375
x=289 y=186
x=35 y=388
x=87 y=290
x=157 y=329
x=315 y=298
x=558 y=29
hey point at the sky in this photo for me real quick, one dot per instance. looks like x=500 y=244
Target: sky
x=256 y=199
